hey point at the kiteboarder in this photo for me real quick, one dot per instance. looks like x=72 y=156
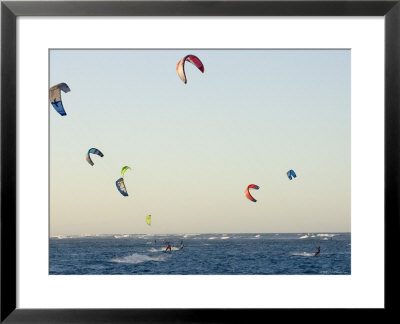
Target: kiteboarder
x=168 y=247
x=318 y=250
x=181 y=247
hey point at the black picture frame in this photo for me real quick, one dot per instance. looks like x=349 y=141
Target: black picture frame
x=10 y=10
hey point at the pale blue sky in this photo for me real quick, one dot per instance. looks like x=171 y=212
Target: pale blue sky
x=194 y=148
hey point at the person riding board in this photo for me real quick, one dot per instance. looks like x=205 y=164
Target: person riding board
x=168 y=247
x=181 y=247
x=318 y=250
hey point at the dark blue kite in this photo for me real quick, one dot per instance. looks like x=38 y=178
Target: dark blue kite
x=291 y=174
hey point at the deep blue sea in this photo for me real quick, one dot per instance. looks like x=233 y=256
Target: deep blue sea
x=216 y=254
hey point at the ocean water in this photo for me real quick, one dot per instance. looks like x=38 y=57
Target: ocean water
x=214 y=254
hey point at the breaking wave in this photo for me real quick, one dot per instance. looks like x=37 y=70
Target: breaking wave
x=121 y=236
x=305 y=254
x=138 y=258
x=188 y=235
x=61 y=237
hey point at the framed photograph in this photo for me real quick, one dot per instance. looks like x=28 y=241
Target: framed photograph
x=173 y=161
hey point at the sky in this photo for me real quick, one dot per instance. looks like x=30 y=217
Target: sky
x=194 y=148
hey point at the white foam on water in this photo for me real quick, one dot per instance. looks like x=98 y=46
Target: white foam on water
x=162 y=249
x=224 y=237
x=305 y=254
x=188 y=235
x=156 y=250
x=212 y=238
x=61 y=237
x=304 y=237
x=138 y=258
x=121 y=236
x=328 y=235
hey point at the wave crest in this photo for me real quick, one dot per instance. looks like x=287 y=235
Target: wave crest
x=305 y=254
x=138 y=258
